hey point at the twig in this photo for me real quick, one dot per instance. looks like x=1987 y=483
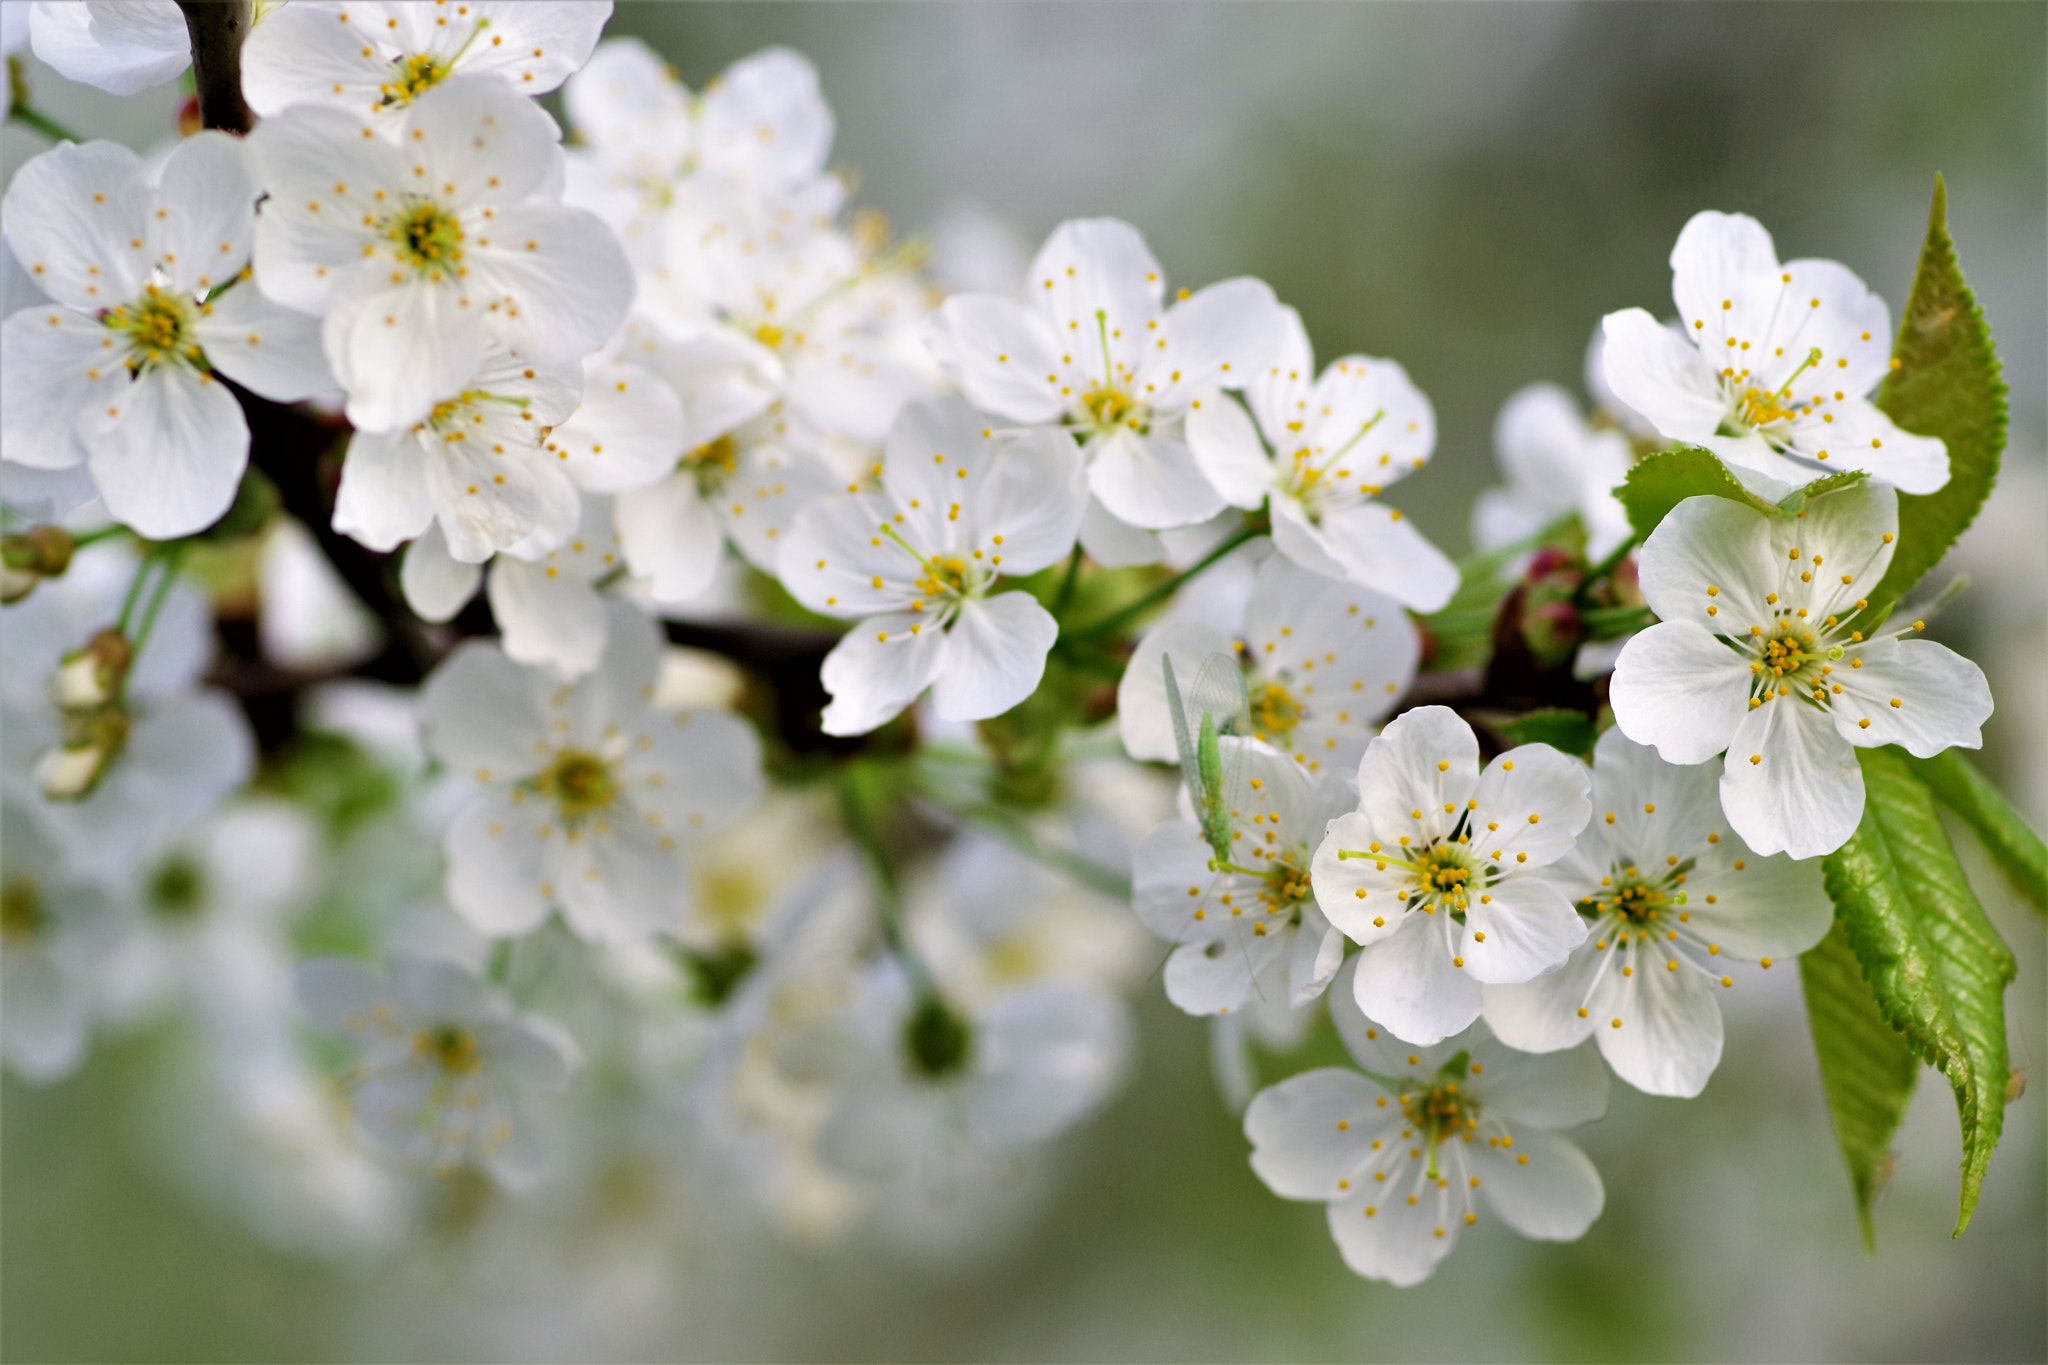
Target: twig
x=217 y=28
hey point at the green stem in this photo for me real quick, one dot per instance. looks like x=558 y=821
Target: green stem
x=1123 y=615
x=1065 y=595
x=42 y=123
x=79 y=542
x=172 y=559
x=135 y=586
x=1604 y=569
x=500 y=970
x=857 y=809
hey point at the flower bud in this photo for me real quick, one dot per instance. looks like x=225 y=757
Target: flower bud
x=92 y=742
x=30 y=556
x=90 y=678
x=1553 y=631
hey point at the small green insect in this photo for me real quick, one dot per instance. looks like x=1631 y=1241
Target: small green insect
x=1216 y=706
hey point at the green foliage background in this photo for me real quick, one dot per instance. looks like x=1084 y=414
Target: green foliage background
x=1466 y=188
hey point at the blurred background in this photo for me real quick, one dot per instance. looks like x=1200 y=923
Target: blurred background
x=1466 y=188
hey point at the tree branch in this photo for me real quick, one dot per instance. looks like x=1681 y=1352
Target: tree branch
x=217 y=28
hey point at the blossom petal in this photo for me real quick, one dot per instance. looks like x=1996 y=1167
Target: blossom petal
x=264 y=346
x=124 y=49
x=1397 y=1241
x=1425 y=759
x=995 y=655
x=1005 y=353
x=1029 y=505
x=1919 y=695
x=1095 y=278
x=1658 y=1023
x=835 y=562
x=620 y=884
x=484 y=715
x=558 y=280
x=479 y=141
x=546 y=616
x=626 y=434
x=1544 y=1090
x=1381 y=549
x=1724 y=279
x=1530 y=929
x=437 y=585
x=399 y=350
x=77 y=218
x=1791 y=783
x=1542 y=1015
x=1857 y=435
x=1151 y=481
x=1142 y=715
x=1540 y=799
x=1659 y=374
x=1679 y=689
x=497 y=863
x=206 y=218
x=1223 y=336
x=1554 y=1196
x=671 y=537
x=1223 y=973
x=1313 y=1130
x=169 y=453
x=1227 y=450
x=1115 y=544
x=383 y=500
x=878 y=668
x=55 y=372
x=693 y=773
x=766 y=114
x=1407 y=983
x=1054 y=1053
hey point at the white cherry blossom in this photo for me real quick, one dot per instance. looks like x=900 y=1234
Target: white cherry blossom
x=1331 y=446
x=1325 y=660
x=422 y=253
x=1407 y=1154
x=1780 y=366
x=1093 y=349
x=447 y=1074
x=149 y=305
x=960 y=508
x=1432 y=871
x=55 y=927
x=1762 y=651
x=476 y=466
x=640 y=133
x=1248 y=930
x=375 y=57
x=1672 y=897
x=122 y=46
x=1557 y=465
x=588 y=792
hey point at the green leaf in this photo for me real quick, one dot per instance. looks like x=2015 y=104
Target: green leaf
x=1936 y=965
x=1945 y=382
x=1656 y=485
x=2016 y=849
x=1867 y=1069
x=1571 y=731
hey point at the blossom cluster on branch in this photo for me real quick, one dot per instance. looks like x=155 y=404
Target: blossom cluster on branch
x=368 y=450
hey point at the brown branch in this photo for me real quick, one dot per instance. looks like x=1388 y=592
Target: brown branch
x=217 y=28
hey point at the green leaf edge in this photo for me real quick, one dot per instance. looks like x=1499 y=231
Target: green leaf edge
x=1930 y=523
x=2010 y=841
x=1700 y=473
x=1896 y=946
x=1867 y=1068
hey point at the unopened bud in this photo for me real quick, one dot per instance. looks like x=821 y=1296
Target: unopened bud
x=90 y=678
x=91 y=744
x=1553 y=632
x=28 y=557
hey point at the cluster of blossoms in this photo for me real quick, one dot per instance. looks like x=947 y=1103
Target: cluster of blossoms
x=845 y=897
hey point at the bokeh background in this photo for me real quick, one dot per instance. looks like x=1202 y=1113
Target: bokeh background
x=1466 y=188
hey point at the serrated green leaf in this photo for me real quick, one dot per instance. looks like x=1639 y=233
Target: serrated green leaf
x=1867 y=1069
x=1571 y=731
x=1945 y=382
x=1656 y=485
x=2016 y=849
x=1935 y=964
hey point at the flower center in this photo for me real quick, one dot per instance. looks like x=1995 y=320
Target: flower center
x=453 y=1049
x=1634 y=899
x=1274 y=711
x=411 y=77
x=713 y=464
x=1107 y=404
x=428 y=237
x=156 y=325
x=1439 y=1112
x=177 y=888
x=938 y=1040
x=944 y=576
x=769 y=335
x=580 y=784
x=22 y=915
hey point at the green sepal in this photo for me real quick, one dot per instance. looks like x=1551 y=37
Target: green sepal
x=2014 y=846
x=1867 y=1069
x=1937 y=967
x=1945 y=382
x=1570 y=731
x=1656 y=485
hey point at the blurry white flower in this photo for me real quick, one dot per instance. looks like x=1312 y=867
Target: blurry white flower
x=1556 y=465
x=1335 y=443
x=587 y=792
x=960 y=507
x=1780 y=367
x=640 y=133
x=373 y=58
x=549 y=608
x=1248 y=929
x=447 y=1071
x=212 y=911
x=932 y=1090
x=1325 y=659
x=150 y=305
x=1432 y=872
x=1670 y=898
x=1404 y=1153
x=1755 y=654
x=54 y=930
x=1093 y=350
x=122 y=46
x=420 y=253
x=309 y=617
